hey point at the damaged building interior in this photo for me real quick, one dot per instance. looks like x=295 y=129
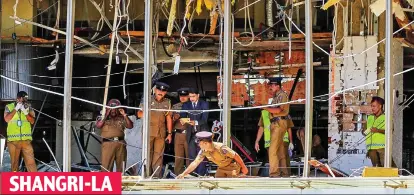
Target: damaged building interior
x=227 y=50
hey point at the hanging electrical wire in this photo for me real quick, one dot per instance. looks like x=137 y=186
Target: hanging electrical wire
x=101 y=21
x=9 y=28
x=185 y=21
x=83 y=77
x=129 y=44
x=190 y=20
x=247 y=15
x=95 y=87
x=247 y=6
x=86 y=12
x=116 y=28
x=52 y=65
x=111 y=5
x=201 y=111
x=15 y=12
x=289 y=28
x=53 y=55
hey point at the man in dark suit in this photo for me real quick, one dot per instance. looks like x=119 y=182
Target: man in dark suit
x=197 y=123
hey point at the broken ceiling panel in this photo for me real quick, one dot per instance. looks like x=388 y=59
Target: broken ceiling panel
x=378 y=7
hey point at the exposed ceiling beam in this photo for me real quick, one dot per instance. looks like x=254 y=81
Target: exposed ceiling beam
x=270 y=46
x=205 y=67
x=162 y=57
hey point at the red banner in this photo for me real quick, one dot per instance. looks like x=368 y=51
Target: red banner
x=61 y=183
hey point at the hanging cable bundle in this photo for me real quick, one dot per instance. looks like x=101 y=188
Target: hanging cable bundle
x=52 y=65
x=247 y=15
x=15 y=12
x=101 y=21
x=126 y=14
x=187 y=9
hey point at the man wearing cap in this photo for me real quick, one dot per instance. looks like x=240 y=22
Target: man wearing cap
x=20 y=117
x=278 y=116
x=180 y=139
x=227 y=160
x=160 y=122
x=112 y=132
x=197 y=123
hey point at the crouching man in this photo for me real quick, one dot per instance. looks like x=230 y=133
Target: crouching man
x=229 y=162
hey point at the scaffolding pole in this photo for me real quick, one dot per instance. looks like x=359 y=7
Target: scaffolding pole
x=227 y=73
x=309 y=87
x=67 y=130
x=148 y=62
x=389 y=81
x=111 y=52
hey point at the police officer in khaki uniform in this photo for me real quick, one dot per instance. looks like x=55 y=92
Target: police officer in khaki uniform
x=180 y=139
x=160 y=121
x=228 y=161
x=278 y=127
x=112 y=132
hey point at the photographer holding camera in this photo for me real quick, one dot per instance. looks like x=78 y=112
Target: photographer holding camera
x=20 y=118
x=113 y=137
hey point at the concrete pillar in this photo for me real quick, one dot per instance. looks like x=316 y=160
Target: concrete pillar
x=397 y=65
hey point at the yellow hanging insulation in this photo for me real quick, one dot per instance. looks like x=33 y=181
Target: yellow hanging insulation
x=171 y=17
x=209 y=4
x=199 y=4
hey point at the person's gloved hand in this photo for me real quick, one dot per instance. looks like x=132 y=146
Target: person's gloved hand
x=18 y=106
x=291 y=147
x=25 y=110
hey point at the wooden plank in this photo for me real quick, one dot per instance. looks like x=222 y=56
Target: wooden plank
x=270 y=46
x=314 y=35
x=339 y=27
x=276 y=67
x=213 y=23
x=176 y=34
x=381 y=50
x=324 y=35
x=28 y=39
x=356 y=18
